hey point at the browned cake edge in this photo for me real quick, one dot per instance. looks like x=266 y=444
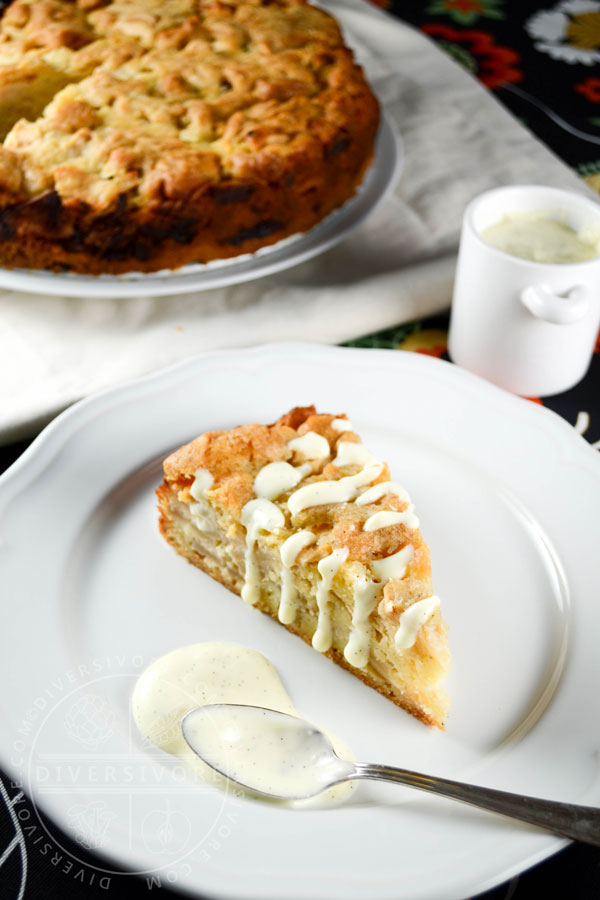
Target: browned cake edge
x=221 y=221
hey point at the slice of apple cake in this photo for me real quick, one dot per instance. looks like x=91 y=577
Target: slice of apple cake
x=305 y=524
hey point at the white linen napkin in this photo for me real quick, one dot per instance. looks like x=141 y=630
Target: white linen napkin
x=397 y=266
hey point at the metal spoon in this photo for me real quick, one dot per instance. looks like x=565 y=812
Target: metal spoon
x=233 y=739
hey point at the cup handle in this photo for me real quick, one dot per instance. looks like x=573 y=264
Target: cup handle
x=560 y=309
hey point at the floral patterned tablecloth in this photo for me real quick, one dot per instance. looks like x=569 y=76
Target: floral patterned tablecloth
x=539 y=59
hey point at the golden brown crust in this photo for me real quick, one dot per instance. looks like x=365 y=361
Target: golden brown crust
x=187 y=131
x=234 y=457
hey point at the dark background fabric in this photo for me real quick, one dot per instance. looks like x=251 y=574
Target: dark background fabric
x=555 y=92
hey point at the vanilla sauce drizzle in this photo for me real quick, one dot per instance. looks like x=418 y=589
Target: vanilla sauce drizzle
x=261 y=514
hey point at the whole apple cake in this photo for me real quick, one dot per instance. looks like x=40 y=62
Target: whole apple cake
x=148 y=134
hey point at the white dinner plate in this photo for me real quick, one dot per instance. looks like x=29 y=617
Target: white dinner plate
x=379 y=179
x=509 y=500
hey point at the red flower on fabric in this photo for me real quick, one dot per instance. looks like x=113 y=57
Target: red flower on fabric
x=590 y=88
x=437 y=350
x=492 y=64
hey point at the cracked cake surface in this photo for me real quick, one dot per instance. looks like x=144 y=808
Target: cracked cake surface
x=140 y=135
x=304 y=523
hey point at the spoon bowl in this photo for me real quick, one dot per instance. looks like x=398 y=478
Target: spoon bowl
x=266 y=751
x=287 y=758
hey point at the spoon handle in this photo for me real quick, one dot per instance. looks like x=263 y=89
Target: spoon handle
x=580 y=823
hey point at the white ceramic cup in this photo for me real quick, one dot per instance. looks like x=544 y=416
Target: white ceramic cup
x=529 y=327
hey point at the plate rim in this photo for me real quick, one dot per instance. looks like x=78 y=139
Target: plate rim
x=68 y=417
